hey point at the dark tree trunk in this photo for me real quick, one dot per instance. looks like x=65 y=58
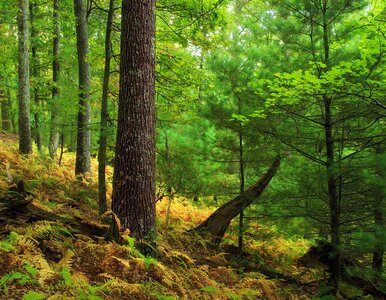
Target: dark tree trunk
x=331 y=165
x=35 y=76
x=12 y=113
x=242 y=179
x=83 y=157
x=218 y=222
x=54 y=132
x=379 y=249
x=134 y=173
x=104 y=115
x=379 y=218
x=5 y=111
x=25 y=145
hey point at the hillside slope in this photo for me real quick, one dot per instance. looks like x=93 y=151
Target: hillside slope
x=69 y=257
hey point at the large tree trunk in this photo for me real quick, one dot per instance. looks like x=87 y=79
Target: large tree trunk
x=104 y=115
x=54 y=132
x=218 y=222
x=134 y=172
x=25 y=145
x=83 y=155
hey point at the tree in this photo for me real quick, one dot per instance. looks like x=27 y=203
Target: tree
x=25 y=145
x=134 y=172
x=83 y=146
x=218 y=222
x=326 y=113
x=104 y=114
x=54 y=134
x=33 y=8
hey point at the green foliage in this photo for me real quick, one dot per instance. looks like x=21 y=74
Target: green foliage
x=32 y=295
x=66 y=276
x=7 y=244
x=210 y=290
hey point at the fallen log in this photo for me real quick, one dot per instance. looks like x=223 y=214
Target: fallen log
x=218 y=222
x=16 y=207
x=320 y=256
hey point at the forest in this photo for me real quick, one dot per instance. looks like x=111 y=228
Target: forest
x=192 y=149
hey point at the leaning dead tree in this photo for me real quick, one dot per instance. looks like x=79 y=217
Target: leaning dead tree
x=218 y=222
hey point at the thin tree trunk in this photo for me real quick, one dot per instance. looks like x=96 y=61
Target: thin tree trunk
x=54 y=133
x=104 y=115
x=134 y=172
x=25 y=145
x=35 y=76
x=5 y=111
x=242 y=179
x=379 y=218
x=83 y=151
x=379 y=249
x=11 y=112
x=168 y=188
x=218 y=222
x=334 y=205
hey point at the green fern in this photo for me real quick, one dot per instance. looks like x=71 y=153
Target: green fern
x=67 y=278
x=8 y=244
x=22 y=278
x=32 y=295
x=30 y=269
x=148 y=260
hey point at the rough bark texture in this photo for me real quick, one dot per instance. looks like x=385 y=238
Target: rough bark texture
x=104 y=115
x=134 y=173
x=54 y=132
x=218 y=222
x=83 y=158
x=25 y=145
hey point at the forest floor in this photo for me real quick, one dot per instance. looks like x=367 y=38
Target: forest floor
x=67 y=254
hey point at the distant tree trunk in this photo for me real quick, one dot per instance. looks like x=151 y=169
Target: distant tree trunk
x=379 y=218
x=54 y=132
x=134 y=172
x=104 y=115
x=11 y=113
x=35 y=76
x=242 y=179
x=218 y=222
x=379 y=249
x=25 y=145
x=5 y=111
x=83 y=151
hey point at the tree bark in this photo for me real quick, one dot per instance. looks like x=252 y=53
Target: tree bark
x=331 y=165
x=35 y=76
x=379 y=217
x=25 y=145
x=54 y=132
x=218 y=222
x=83 y=155
x=5 y=111
x=104 y=115
x=134 y=173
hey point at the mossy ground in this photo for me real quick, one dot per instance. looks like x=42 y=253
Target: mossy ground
x=63 y=260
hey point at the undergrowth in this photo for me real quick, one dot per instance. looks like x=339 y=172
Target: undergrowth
x=65 y=259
